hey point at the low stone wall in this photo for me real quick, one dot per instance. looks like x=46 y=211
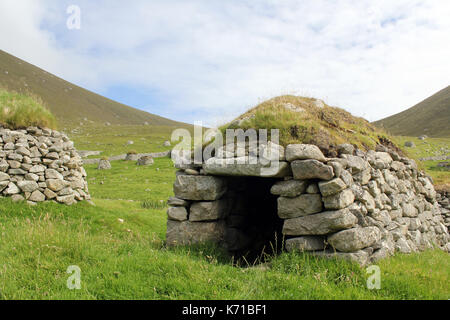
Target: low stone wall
x=443 y=198
x=361 y=206
x=40 y=165
x=162 y=154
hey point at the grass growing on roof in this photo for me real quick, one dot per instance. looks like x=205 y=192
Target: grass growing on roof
x=19 y=111
x=301 y=120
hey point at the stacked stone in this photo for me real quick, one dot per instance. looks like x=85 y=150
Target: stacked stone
x=361 y=206
x=197 y=212
x=443 y=198
x=39 y=165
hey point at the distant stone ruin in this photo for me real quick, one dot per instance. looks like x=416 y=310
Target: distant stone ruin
x=360 y=206
x=39 y=165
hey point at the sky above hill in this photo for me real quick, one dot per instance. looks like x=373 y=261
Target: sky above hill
x=211 y=60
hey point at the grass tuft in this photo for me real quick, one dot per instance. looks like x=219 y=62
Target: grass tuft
x=18 y=111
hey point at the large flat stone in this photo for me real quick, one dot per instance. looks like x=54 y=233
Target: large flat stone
x=320 y=223
x=208 y=210
x=340 y=200
x=189 y=187
x=305 y=243
x=355 y=239
x=328 y=188
x=244 y=166
x=299 y=206
x=27 y=186
x=311 y=169
x=187 y=232
x=289 y=188
x=360 y=257
x=304 y=152
x=177 y=213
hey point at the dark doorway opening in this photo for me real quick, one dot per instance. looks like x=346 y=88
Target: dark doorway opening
x=254 y=230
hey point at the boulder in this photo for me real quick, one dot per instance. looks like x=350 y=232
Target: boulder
x=145 y=161
x=177 y=213
x=354 y=239
x=328 y=188
x=345 y=149
x=131 y=157
x=3 y=185
x=190 y=187
x=11 y=189
x=3 y=165
x=246 y=166
x=176 y=202
x=56 y=185
x=340 y=200
x=104 y=165
x=53 y=174
x=208 y=210
x=311 y=169
x=4 y=176
x=305 y=243
x=409 y=210
x=360 y=257
x=289 y=188
x=37 y=196
x=320 y=223
x=67 y=199
x=304 y=152
x=187 y=232
x=313 y=188
x=27 y=186
x=302 y=205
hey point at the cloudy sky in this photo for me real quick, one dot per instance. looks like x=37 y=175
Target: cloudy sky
x=211 y=60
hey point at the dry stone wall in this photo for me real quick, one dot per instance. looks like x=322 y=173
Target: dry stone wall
x=360 y=206
x=39 y=165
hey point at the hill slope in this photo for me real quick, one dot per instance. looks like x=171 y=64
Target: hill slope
x=68 y=102
x=430 y=117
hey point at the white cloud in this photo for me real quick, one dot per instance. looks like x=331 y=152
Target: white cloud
x=217 y=58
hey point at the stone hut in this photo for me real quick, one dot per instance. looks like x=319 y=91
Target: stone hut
x=360 y=206
x=39 y=165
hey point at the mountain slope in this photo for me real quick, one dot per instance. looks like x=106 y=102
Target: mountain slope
x=430 y=117
x=68 y=102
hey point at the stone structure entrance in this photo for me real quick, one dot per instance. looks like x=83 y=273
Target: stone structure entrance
x=253 y=225
x=360 y=206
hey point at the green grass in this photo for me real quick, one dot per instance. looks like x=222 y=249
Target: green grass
x=126 y=180
x=427 y=148
x=112 y=140
x=128 y=260
x=18 y=111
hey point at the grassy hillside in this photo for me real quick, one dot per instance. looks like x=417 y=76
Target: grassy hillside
x=430 y=117
x=424 y=149
x=119 y=247
x=307 y=120
x=68 y=102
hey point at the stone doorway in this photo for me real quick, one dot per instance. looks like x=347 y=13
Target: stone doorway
x=254 y=229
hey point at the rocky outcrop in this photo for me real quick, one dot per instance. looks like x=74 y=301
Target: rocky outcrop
x=39 y=165
x=359 y=206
